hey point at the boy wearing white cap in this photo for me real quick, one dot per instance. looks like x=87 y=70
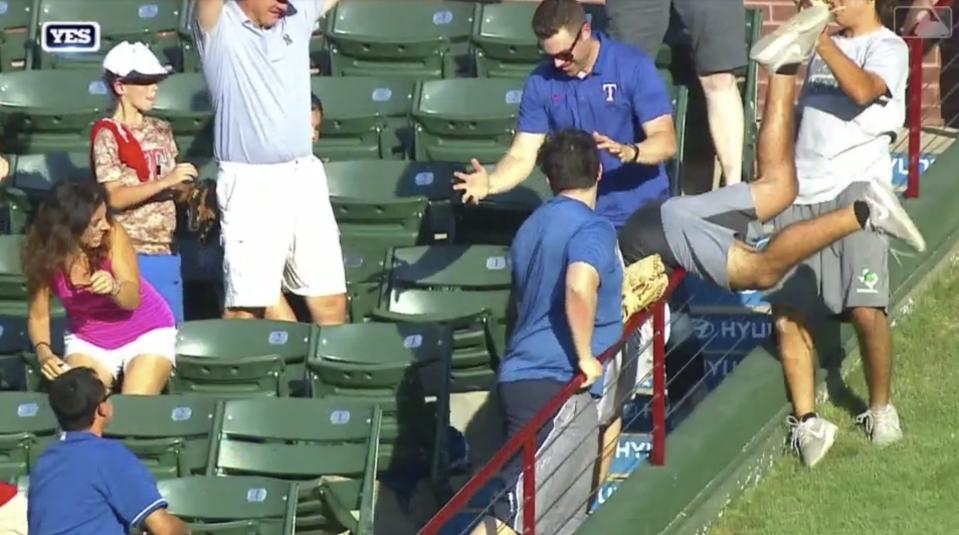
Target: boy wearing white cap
x=134 y=156
x=276 y=221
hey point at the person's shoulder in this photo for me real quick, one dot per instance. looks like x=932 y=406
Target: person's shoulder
x=890 y=39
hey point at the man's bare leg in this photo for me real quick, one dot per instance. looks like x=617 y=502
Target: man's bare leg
x=777 y=186
x=327 y=309
x=724 y=108
x=750 y=269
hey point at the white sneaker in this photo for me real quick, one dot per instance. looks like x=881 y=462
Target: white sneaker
x=887 y=216
x=792 y=42
x=881 y=426
x=812 y=438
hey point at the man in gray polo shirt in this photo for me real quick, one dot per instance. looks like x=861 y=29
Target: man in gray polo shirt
x=277 y=224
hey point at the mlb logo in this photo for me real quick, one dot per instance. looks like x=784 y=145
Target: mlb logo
x=68 y=37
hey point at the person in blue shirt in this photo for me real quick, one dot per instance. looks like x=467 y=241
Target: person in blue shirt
x=85 y=484
x=593 y=83
x=567 y=279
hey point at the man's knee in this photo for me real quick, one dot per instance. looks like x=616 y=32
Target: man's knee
x=718 y=82
x=238 y=313
x=865 y=316
x=328 y=309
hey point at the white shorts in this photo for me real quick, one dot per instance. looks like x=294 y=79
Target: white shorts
x=160 y=342
x=278 y=231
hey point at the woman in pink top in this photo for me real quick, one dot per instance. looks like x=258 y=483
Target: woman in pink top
x=118 y=322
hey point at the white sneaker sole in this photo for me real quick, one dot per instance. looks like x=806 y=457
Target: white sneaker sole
x=888 y=200
x=793 y=41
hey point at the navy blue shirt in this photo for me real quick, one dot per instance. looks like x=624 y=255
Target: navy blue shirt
x=561 y=232
x=622 y=92
x=85 y=484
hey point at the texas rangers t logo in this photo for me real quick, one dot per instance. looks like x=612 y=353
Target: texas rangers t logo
x=610 y=90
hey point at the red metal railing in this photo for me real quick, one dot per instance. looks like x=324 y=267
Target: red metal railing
x=917 y=50
x=525 y=439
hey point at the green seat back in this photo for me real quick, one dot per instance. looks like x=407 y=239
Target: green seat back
x=456 y=120
x=170 y=434
x=15 y=24
x=383 y=180
x=504 y=43
x=497 y=218
x=364 y=117
x=154 y=22
x=245 y=504
x=460 y=266
x=27 y=424
x=184 y=101
x=412 y=38
x=36 y=174
x=47 y=111
x=237 y=357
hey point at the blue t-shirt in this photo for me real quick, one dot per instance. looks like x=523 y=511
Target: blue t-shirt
x=559 y=233
x=623 y=91
x=85 y=484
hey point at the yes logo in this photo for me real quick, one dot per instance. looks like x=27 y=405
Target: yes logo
x=66 y=37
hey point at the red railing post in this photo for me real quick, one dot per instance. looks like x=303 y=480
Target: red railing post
x=916 y=52
x=529 y=486
x=659 y=384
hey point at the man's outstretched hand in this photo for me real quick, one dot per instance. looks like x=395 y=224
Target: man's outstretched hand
x=474 y=185
x=625 y=153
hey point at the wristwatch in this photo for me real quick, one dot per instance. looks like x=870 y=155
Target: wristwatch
x=635 y=153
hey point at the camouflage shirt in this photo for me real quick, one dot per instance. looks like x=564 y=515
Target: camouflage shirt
x=150 y=224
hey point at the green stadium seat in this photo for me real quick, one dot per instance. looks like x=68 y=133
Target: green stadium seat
x=27 y=425
x=364 y=117
x=497 y=218
x=411 y=38
x=465 y=287
x=238 y=358
x=170 y=434
x=456 y=120
x=36 y=174
x=155 y=23
x=504 y=43
x=330 y=445
x=237 y=504
x=396 y=366
x=50 y=111
x=15 y=24
x=184 y=101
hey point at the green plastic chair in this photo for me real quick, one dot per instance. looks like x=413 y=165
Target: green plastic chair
x=456 y=120
x=184 y=101
x=232 y=505
x=237 y=358
x=155 y=23
x=411 y=38
x=27 y=425
x=35 y=174
x=504 y=45
x=170 y=434
x=50 y=111
x=364 y=117
x=15 y=24
x=331 y=446
x=396 y=366
x=497 y=218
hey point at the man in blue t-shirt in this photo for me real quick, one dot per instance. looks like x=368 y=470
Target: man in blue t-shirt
x=567 y=279
x=599 y=85
x=85 y=484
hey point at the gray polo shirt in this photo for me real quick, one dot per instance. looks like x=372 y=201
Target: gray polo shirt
x=259 y=80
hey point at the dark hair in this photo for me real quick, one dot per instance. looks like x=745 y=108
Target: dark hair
x=553 y=15
x=887 y=13
x=317 y=103
x=570 y=160
x=75 y=396
x=55 y=233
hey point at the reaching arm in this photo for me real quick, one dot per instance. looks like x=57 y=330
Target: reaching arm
x=125 y=269
x=512 y=169
x=860 y=85
x=660 y=143
x=160 y=522
x=208 y=12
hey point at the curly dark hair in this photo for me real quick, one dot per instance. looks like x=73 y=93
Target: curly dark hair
x=55 y=233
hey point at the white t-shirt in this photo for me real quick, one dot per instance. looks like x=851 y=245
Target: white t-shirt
x=839 y=141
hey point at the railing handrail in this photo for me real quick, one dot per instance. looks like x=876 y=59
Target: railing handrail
x=528 y=432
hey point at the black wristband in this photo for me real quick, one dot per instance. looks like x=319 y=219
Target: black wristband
x=636 y=154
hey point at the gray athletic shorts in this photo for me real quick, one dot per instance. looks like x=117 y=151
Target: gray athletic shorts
x=853 y=272
x=700 y=229
x=716 y=29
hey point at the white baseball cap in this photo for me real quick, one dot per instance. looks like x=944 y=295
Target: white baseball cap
x=134 y=62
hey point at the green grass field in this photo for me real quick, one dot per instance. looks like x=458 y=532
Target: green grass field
x=909 y=487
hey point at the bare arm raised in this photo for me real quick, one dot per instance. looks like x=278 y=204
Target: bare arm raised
x=208 y=12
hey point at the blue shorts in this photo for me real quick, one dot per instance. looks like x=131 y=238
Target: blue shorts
x=162 y=271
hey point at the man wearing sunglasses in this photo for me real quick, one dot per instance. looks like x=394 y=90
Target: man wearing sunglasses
x=85 y=484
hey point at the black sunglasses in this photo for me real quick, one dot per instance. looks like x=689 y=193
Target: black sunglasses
x=566 y=56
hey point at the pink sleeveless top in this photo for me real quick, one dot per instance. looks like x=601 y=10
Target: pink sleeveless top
x=98 y=320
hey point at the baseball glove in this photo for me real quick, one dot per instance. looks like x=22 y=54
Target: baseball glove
x=644 y=283
x=201 y=208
